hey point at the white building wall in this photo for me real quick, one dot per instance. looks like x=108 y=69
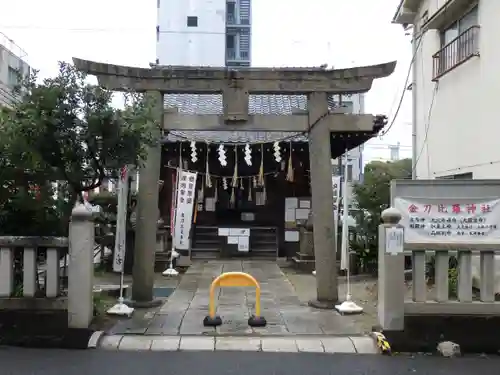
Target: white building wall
x=10 y=63
x=460 y=134
x=355 y=159
x=179 y=44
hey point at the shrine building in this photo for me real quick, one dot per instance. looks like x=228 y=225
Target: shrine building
x=255 y=189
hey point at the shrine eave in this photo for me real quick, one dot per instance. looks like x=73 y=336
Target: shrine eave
x=341 y=139
x=207 y=80
x=339 y=142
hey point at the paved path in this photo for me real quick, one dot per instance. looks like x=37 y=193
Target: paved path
x=185 y=309
x=102 y=362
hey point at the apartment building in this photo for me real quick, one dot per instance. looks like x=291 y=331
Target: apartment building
x=13 y=67
x=204 y=32
x=351 y=104
x=455 y=86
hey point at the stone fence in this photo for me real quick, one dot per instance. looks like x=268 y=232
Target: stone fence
x=21 y=272
x=397 y=300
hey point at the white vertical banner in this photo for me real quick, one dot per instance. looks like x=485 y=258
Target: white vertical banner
x=186 y=188
x=121 y=221
x=344 y=255
x=336 y=181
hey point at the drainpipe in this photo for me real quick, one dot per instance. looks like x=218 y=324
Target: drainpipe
x=414 y=107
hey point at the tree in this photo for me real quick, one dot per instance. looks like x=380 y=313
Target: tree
x=66 y=130
x=372 y=197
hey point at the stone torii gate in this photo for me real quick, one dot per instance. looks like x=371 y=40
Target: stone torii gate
x=236 y=86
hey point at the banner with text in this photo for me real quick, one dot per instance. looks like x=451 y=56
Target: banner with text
x=461 y=221
x=186 y=188
x=336 y=181
x=121 y=221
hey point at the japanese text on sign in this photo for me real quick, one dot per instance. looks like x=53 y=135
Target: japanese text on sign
x=445 y=220
x=394 y=241
x=186 y=188
x=121 y=215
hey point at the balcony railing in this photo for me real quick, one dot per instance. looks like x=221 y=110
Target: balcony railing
x=455 y=53
x=232 y=20
x=232 y=55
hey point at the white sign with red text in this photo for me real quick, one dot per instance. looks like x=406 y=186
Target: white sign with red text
x=439 y=220
x=186 y=188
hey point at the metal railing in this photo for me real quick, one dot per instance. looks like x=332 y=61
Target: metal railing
x=456 y=52
x=232 y=20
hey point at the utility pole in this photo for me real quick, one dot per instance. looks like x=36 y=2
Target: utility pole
x=414 y=155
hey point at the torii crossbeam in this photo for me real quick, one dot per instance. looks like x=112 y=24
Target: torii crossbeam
x=236 y=86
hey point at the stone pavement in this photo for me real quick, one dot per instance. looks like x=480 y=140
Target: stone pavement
x=354 y=344
x=183 y=312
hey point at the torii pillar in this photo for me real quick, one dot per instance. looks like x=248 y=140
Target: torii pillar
x=236 y=86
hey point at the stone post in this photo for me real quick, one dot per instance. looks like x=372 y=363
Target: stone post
x=325 y=244
x=391 y=280
x=81 y=267
x=147 y=216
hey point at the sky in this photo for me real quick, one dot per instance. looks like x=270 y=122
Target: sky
x=284 y=33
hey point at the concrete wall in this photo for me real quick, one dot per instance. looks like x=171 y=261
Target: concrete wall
x=460 y=133
x=9 y=64
x=178 y=44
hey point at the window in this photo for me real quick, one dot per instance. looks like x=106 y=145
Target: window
x=13 y=76
x=459 y=176
x=459 y=42
x=349 y=173
x=231 y=13
x=192 y=21
x=230 y=41
x=459 y=27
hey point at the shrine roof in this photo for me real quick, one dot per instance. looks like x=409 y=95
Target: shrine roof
x=211 y=104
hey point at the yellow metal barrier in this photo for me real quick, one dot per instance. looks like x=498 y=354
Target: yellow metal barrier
x=234 y=279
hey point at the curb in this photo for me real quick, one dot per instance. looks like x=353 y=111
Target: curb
x=71 y=338
x=290 y=344
x=95 y=339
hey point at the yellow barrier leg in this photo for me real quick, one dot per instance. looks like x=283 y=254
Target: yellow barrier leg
x=257 y=320
x=212 y=320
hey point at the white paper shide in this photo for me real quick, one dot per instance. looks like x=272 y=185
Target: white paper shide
x=186 y=188
x=460 y=221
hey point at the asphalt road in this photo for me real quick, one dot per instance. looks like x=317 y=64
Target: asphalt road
x=99 y=362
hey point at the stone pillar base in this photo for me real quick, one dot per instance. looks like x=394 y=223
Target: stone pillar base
x=322 y=305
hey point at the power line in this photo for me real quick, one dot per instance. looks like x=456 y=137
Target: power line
x=395 y=116
x=78 y=29
x=106 y=30
x=427 y=127
x=494 y=162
